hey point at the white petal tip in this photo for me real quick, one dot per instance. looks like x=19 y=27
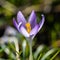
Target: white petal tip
x=42 y=15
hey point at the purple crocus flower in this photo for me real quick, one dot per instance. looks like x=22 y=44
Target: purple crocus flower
x=28 y=28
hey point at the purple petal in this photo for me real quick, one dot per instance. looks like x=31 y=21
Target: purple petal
x=32 y=19
x=20 y=18
x=16 y=25
x=23 y=31
x=34 y=31
x=41 y=22
x=20 y=28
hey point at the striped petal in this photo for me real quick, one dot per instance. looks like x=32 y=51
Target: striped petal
x=32 y=19
x=23 y=31
x=20 y=18
x=15 y=24
x=34 y=31
x=41 y=22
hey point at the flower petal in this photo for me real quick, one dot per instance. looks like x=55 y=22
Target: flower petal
x=32 y=19
x=23 y=31
x=16 y=25
x=41 y=22
x=34 y=31
x=20 y=18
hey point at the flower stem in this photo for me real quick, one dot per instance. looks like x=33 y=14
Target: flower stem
x=30 y=45
x=24 y=54
x=23 y=48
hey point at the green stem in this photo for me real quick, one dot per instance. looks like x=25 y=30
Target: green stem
x=30 y=45
x=23 y=53
x=24 y=47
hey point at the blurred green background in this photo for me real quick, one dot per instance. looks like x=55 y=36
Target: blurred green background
x=50 y=32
